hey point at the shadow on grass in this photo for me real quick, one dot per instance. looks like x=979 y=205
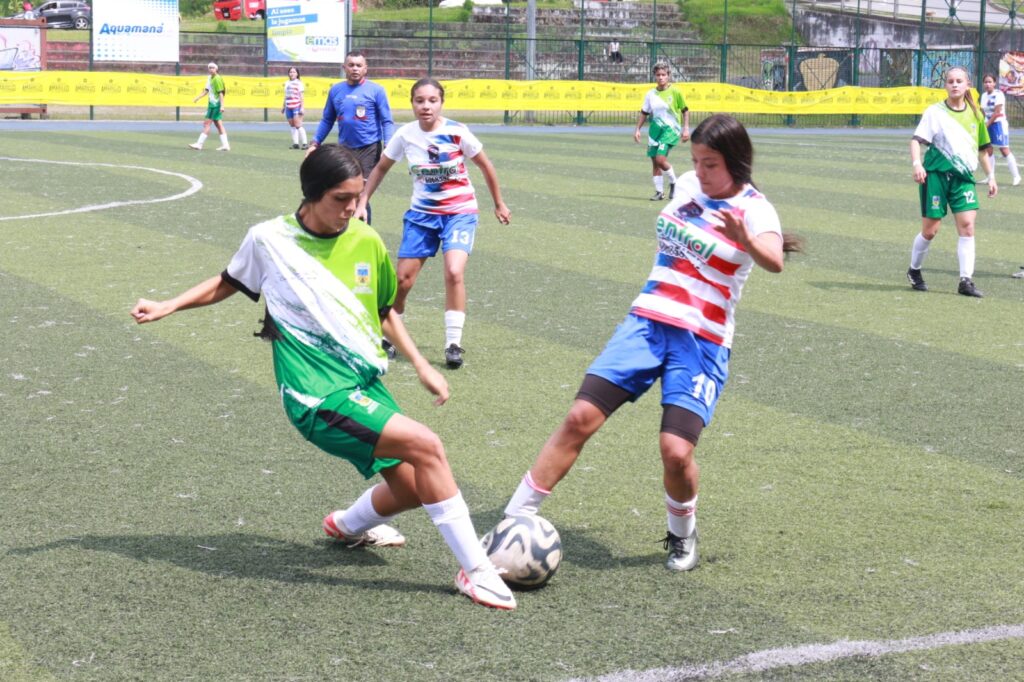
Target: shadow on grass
x=239 y=555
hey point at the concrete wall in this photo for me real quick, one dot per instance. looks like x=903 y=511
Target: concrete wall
x=819 y=27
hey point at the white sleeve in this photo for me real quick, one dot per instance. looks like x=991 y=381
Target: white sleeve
x=645 y=107
x=246 y=271
x=925 y=130
x=760 y=217
x=395 y=148
x=470 y=144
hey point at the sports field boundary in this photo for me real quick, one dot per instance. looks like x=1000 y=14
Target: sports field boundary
x=772 y=659
x=194 y=186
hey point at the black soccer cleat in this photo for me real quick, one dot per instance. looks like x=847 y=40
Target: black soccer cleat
x=658 y=196
x=389 y=348
x=967 y=288
x=916 y=280
x=453 y=356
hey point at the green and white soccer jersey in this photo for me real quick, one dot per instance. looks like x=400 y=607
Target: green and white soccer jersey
x=665 y=109
x=324 y=294
x=954 y=139
x=215 y=84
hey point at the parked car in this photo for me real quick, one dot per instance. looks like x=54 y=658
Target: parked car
x=233 y=10
x=61 y=14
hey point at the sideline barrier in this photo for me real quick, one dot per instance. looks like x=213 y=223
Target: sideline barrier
x=102 y=88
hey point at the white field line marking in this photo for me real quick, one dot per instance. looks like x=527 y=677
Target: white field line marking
x=770 y=659
x=194 y=186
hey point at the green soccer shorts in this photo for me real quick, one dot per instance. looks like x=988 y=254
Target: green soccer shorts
x=346 y=424
x=213 y=112
x=944 y=191
x=660 y=149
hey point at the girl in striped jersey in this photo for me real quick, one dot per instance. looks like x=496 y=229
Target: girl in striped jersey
x=293 y=108
x=443 y=211
x=993 y=105
x=680 y=328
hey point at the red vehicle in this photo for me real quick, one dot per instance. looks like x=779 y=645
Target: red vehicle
x=233 y=10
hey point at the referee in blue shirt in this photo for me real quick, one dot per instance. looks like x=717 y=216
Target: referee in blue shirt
x=363 y=114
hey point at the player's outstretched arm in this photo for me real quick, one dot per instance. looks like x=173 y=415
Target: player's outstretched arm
x=209 y=292
x=501 y=211
x=431 y=379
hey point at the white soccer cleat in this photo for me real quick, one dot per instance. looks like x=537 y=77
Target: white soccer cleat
x=197 y=147
x=378 y=536
x=1016 y=181
x=224 y=148
x=682 y=552
x=484 y=586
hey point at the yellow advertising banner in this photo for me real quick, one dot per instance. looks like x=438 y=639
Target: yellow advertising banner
x=99 y=88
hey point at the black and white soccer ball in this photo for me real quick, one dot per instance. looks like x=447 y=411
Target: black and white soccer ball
x=527 y=547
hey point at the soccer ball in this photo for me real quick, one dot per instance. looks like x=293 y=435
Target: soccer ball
x=527 y=547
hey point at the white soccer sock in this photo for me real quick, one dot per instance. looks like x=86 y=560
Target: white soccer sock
x=224 y=140
x=682 y=516
x=965 y=254
x=1011 y=162
x=295 y=135
x=919 y=251
x=302 y=135
x=361 y=515
x=671 y=174
x=659 y=183
x=451 y=517
x=201 y=140
x=454 y=321
x=527 y=497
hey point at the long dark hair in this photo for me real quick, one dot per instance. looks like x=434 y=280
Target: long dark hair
x=727 y=136
x=328 y=166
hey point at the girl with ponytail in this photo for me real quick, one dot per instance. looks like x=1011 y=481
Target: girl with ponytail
x=680 y=329
x=954 y=132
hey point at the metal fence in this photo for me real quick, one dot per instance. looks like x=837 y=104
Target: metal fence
x=876 y=43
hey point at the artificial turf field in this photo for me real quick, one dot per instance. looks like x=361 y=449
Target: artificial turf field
x=863 y=480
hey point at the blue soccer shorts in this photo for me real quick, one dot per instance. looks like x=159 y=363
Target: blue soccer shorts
x=999 y=132
x=693 y=370
x=423 y=233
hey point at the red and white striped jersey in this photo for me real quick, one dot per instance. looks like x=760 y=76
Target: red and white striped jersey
x=437 y=164
x=698 y=273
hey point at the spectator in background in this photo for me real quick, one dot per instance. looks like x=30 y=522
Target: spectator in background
x=363 y=114
x=614 y=52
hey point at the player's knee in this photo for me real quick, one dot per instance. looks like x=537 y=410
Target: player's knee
x=678 y=458
x=405 y=282
x=426 y=449
x=582 y=421
x=454 y=276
